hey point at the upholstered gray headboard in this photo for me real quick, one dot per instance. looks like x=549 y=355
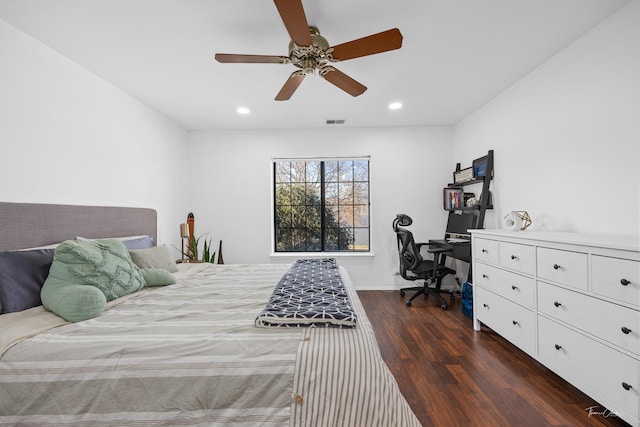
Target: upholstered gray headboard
x=26 y=225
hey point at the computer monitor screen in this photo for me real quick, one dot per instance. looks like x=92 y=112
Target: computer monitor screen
x=459 y=223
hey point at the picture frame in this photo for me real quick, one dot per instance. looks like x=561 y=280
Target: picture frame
x=463 y=175
x=480 y=166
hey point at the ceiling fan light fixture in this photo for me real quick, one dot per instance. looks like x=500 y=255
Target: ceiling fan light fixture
x=395 y=106
x=312 y=57
x=311 y=52
x=243 y=111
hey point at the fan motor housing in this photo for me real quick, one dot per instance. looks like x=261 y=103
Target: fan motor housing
x=316 y=40
x=310 y=58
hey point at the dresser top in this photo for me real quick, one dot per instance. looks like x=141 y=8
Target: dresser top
x=627 y=243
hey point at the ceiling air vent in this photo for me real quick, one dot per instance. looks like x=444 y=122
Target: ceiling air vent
x=335 y=121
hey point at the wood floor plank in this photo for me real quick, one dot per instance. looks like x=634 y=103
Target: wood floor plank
x=454 y=376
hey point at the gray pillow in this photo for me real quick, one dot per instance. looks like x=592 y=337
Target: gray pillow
x=130 y=242
x=143 y=242
x=22 y=274
x=157 y=257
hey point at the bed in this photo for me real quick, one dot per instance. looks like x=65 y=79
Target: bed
x=189 y=353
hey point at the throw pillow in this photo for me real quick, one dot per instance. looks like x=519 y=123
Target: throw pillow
x=157 y=257
x=22 y=274
x=104 y=265
x=157 y=277
x=143 y=242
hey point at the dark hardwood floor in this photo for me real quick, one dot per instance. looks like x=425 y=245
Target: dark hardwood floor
x=453 y=376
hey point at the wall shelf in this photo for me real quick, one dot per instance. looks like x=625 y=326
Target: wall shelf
x=465 y=183
x=484 y=166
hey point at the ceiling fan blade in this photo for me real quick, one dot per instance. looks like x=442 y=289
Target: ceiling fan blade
x=341 y=80
x=370 y=45
x=290 y=86
x=292 y=14
x=256 y=59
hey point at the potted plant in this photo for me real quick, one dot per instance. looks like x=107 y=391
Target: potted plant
x=193 y=252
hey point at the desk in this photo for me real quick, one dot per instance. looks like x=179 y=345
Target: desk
x=457 y=250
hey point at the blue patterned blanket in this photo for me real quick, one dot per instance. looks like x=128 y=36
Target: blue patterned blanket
x=311 y=293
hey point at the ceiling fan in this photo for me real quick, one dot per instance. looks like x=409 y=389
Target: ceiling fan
x=309 y=51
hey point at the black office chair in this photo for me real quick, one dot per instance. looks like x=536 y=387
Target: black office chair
x=413 y=267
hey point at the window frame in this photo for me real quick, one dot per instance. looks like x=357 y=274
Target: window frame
x=298 y=254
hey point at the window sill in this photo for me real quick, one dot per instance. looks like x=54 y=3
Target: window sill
x=322 y=255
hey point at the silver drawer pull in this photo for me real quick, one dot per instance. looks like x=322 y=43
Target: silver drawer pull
x=556 y=267
x=557 y=304
x=558 y=347
x=626 y=386
x=515 y=322
x=624 y=282
x=514 y=257
x=484 y=276
x=514 y=287
x=484 y=251
x=485 y=305
x=625 y=330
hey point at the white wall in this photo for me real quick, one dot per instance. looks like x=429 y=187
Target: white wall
x=231 y=188
x=67 y=136
x=567 y=136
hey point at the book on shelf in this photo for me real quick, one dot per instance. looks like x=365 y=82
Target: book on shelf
x=453 y=198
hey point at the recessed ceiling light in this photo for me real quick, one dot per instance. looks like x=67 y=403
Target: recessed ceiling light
x=243 y=110
x=395 y=105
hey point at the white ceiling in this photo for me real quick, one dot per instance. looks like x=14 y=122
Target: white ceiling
x=456 y=54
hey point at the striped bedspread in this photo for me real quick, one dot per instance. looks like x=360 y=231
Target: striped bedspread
x=190 y=354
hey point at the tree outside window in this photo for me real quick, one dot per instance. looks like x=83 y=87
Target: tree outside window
x=321 y=205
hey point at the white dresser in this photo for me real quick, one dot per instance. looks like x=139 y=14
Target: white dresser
x=571 y=301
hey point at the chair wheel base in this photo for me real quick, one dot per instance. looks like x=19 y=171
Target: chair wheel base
x=402 y=293
x=408 y=303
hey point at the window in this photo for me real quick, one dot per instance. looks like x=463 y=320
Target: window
x=321 y=205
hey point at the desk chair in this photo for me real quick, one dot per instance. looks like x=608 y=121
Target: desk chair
x=413 y=267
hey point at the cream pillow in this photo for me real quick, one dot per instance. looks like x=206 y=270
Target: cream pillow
x=156 y=257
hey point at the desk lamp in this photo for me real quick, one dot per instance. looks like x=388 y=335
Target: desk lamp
x=184 y=234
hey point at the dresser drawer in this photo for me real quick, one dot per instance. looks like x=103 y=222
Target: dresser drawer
x=517 y=257
x=515 y=323
x=486 y=250
x=515 y=287
x=616 y=278
x=567 y=268
x=611 y=322
x=593 y=367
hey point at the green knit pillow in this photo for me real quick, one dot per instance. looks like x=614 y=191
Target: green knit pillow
x=157 y=277
x=79 y=268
